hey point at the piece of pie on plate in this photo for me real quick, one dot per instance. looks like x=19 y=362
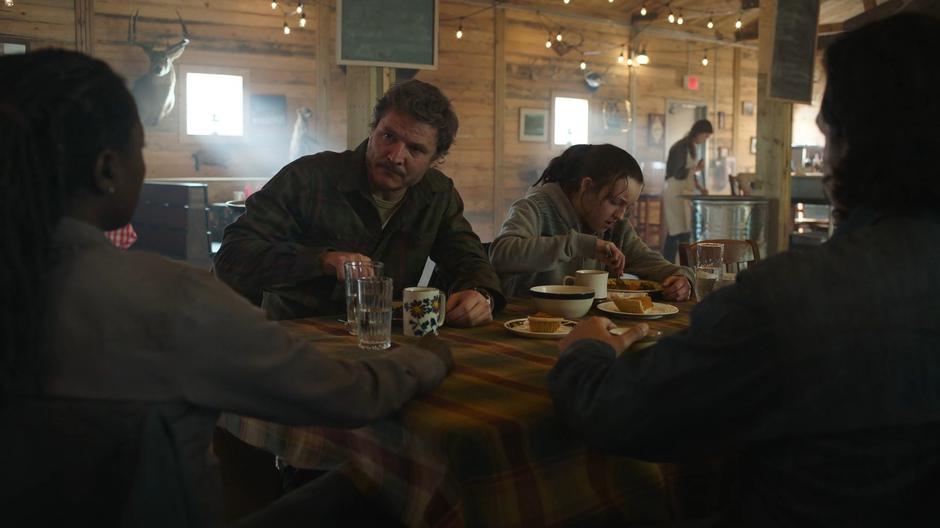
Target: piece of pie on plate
x=633 y=304
x=543 y=322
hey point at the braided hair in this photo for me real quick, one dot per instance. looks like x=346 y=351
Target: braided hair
x=604 y=164
x=58 y=111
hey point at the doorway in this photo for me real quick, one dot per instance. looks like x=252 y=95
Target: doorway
x=680 y=116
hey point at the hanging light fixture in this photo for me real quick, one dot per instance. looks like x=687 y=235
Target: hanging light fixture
x=566 y=2
x=643 y=10
x=286 y=29
x=548 y=42
x=630 y=58
x=9 y=3
x=300 y=7
x=738 y=23
x=583 y=64
x=671 y=18
x=460 y=29
x=558 y=36
x=643 y=58
x=711 y=23
x=273 y=4
x=705 y=60
x=303 y=20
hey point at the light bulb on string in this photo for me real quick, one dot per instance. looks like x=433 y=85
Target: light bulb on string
x=620 y=59
x=680 y=20
x=711 y=23
x=643 y=58
x=566 y=2
x=643 y=10
x=460 y=31
x=300 y=7
x=738 y=23
x=9 y=3
x=286 y=29
x=671 y=18
x=274 y=4
x=630 y=58
x=548 y=42
x=583 y=64
x=610 y=1
x=705 y=60
x=558 y=37
x=303 y=20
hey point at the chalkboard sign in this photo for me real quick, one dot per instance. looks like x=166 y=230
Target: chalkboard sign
x=394 y=33
x=791 y=71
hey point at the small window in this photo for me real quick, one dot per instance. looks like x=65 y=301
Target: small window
x=215 y=104
x=571 y=121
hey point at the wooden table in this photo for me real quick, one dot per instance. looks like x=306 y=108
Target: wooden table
x=485 y=448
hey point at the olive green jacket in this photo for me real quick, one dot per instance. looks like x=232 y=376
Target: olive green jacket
x=322 y=203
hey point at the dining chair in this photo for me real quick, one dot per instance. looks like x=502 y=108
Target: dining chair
x=737 y=255
x=93 y=463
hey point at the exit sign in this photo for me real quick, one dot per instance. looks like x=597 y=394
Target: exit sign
x=690 y=82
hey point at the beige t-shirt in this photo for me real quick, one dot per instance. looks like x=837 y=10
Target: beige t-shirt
x=386 y=208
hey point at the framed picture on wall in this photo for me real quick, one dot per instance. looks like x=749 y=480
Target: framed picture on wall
x=656 y=130
x=533 y=124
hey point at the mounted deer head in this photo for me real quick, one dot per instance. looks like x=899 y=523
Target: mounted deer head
x=155 y=91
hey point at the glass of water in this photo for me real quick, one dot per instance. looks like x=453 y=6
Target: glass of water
x=709 y=264
x=374 y=312
x=357 y=269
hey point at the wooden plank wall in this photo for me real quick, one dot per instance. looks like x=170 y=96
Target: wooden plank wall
x=246 y=35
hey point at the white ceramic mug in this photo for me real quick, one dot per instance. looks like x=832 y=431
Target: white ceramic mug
x=595 y=279
x=422 y=310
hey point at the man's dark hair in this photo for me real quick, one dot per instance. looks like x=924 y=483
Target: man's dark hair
x=881 y=104
x=58 y=111
x=424 y=102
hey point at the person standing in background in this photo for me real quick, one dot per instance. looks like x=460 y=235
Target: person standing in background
x=681 y=166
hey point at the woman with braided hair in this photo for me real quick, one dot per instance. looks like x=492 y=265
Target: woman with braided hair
x=84 y=321
x=576 y=217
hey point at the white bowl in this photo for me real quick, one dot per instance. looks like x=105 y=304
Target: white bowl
x=563 y=301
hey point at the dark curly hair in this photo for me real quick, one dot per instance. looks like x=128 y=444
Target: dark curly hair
x=881 y=105
x=424 y=102
x=602 y=163
x=58 y=111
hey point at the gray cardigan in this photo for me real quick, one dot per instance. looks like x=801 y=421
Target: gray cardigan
x=542 y=240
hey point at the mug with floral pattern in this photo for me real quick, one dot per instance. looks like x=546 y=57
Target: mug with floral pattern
x=422 y=310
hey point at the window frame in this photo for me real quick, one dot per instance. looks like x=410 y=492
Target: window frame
x=554 y=116
x=183 y=103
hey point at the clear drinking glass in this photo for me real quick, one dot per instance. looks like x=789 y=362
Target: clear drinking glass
x=709 y=264
x=354 y=270
x=374 y=312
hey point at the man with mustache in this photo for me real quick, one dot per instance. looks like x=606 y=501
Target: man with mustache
x=383 y=201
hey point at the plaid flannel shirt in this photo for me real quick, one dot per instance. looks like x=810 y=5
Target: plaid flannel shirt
x=322 y=203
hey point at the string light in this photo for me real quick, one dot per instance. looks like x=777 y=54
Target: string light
x=548 y=43
x=583 y=64
x=710 y=23
x=558 y=37
x=643 y=58
x=303 y=20
x=9 y=3
x=610 y=1
x=643 y=10
x=274 y=4
x=460 y=29
x=300 y=7
x=286 y=29
x=620 y=59
x=738 y=23
x=705 y=60
x=671 y=17
x=566 y=2
x=680 y=20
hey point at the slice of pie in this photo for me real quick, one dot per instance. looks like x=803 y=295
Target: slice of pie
x=543 y=322
x=635 y=304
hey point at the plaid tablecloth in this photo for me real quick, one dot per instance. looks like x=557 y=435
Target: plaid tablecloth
x=483 y=449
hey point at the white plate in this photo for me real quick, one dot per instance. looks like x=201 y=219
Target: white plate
x=521 y=327
x=659 y=310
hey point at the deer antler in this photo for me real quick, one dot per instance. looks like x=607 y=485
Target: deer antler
x=132 y=33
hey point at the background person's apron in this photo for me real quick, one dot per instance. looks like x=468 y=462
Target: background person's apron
x=677 y=212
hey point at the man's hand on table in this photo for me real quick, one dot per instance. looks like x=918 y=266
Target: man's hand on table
x=598 y=328
x=467 y=308
x=432 y=344
x=333 y=261
x=677 y=288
